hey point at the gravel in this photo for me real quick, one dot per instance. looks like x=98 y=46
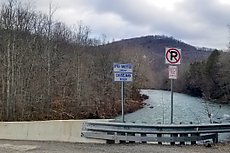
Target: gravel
x=57 y=147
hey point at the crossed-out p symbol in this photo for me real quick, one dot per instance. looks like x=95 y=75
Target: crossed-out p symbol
x=172 y=56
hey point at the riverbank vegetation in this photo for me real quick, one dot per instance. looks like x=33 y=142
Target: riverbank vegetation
x=52 y=71
x=209 y=79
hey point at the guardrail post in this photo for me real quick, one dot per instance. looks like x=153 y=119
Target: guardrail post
x=194 y=135
x=143 y=135
x=131 y=134
x=184 y=136
x=159 y=135
x=215 y=139
x=121 y=134
x=110 y=141
x=173 y=136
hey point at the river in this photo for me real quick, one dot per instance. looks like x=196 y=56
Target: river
x=187 y=109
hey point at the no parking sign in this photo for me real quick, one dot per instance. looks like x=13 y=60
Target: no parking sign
x=172 y=55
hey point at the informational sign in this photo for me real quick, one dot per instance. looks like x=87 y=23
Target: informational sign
x=123 y=72
x=123 y=77
x=172 y=55
x=173 y=72
x=122 y=67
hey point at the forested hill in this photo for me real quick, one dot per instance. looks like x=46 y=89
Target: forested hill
x=156 y=45
x=148 y=55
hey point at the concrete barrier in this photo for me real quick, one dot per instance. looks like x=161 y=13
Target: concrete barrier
x=55 y=130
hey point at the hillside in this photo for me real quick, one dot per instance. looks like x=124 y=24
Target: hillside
x=150 y=51
x=156 y=46
x=203 y=72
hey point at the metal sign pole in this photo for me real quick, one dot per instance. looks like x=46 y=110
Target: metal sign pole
x=122 y=101
x=171 y=101
x=123 y=73
x=172 y=56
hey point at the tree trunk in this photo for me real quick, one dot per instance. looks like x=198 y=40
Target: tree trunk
x=8 y=83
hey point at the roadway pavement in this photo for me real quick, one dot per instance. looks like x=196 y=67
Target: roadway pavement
x=58 y=147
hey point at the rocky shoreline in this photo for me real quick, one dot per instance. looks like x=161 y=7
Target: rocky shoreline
x=130 y=105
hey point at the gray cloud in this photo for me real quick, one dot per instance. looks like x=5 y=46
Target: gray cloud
x=209 y=11
x=199 y=22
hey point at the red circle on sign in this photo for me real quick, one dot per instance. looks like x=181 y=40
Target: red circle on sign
x=169 y=52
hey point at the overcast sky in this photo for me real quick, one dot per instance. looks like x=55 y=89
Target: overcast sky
x=200 y=23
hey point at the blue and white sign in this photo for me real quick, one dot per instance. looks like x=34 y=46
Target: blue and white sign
x=123 y=77
x=122 y=67
x=123 y=72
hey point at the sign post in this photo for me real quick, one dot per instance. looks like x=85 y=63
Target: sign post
x=172 y=56
x=123 y=73
x=171 y=101
x=122 y=101
x=173 y=72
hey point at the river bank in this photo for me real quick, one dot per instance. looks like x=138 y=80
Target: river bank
x=114 y=110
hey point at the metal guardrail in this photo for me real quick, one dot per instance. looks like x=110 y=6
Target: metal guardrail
x=142 y=133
